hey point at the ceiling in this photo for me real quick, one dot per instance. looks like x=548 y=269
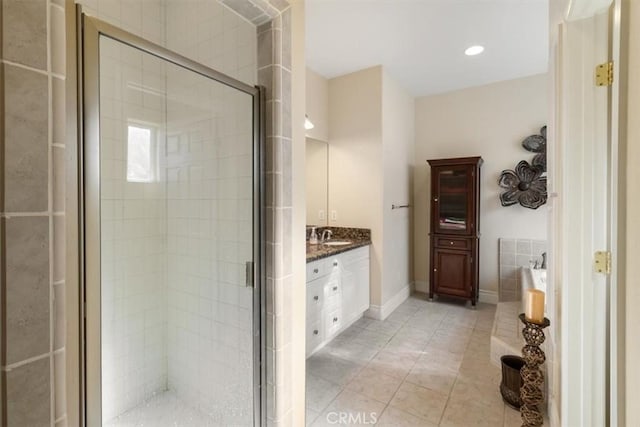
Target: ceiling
x=421 y=43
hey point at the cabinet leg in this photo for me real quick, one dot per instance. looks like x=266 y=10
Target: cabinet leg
x=430 y=297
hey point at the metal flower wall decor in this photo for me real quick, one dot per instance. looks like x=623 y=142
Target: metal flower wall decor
x=526 y=184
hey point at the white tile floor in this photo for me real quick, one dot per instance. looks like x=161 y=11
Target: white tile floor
x=163 y=410
x=426 y=365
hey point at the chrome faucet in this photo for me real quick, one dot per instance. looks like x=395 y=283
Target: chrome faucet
x=326 y=235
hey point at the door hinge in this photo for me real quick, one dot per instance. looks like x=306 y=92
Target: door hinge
x=602 y=262
x=604 y=74
x=248 y=271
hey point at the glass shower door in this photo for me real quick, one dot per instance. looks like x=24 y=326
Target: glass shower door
x=173 y=207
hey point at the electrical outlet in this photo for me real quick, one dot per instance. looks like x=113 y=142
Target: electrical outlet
x=334 y=215
x=321 y=214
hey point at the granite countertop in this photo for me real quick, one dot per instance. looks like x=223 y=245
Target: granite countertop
x=319 y=251
x=357 y=236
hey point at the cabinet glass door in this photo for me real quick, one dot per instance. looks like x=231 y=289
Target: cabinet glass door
x=452 y=214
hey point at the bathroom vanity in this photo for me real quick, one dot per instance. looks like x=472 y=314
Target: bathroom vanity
x=337 y=289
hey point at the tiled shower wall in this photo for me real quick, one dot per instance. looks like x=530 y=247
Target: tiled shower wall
x=133 y=232
x=33 y=247
x=516 y=253
x=209 y=171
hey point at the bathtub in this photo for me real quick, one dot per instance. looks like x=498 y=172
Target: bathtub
x=533 y=279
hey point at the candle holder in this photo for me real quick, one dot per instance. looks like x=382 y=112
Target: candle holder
x=532 y=377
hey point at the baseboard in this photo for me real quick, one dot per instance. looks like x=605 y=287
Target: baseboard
x=382 y=312
x=489 y=297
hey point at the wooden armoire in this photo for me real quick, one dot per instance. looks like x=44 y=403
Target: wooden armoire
x=455 y=227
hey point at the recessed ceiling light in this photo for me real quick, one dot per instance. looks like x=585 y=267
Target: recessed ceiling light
x=474 y=50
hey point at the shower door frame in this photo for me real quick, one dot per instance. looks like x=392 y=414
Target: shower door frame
x=88 y=32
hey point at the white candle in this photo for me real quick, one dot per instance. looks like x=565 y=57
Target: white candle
x=534 y=306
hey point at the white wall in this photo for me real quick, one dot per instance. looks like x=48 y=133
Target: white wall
x=397 y=152
x=317 y=105
x=355 y=160
x=489 y=121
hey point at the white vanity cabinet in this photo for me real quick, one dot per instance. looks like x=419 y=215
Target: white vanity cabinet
x=337 y=295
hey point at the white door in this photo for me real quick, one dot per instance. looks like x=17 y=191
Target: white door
x=583 y=215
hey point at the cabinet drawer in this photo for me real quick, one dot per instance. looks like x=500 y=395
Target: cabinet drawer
x=333 y=322
x=317 y=269
x=332 y=294
x=444 y=242
x=314 y=336
x=315 y=297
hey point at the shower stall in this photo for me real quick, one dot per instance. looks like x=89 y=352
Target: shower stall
x=172 y=236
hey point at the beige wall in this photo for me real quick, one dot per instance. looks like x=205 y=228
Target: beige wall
x=355 y=160
x=632 y=215
x=489 y=121
x=397 y=152
x=317 y=168
x=317 y=105
x=371 y=148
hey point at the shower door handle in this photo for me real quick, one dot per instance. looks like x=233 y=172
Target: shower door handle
x=248 y=270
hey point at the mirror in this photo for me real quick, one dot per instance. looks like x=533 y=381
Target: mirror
x=317 y=181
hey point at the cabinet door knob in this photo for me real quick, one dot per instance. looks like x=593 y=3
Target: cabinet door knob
x=435 y=269
x=451 y=243
x=335 y=319
x=335 y=288
x=335 y=263
x=315 y=270
x=315 y=297
x=435 y=199
x=315 y=332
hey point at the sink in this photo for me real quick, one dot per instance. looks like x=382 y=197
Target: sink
x=337 y=243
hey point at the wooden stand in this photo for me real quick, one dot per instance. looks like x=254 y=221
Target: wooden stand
x=455 y=228
x=532 y=377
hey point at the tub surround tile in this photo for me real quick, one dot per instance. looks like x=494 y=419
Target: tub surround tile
x=26 y=140
x=27 y=287
x=513 y=254
x=25 y=32
x=29 y=394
